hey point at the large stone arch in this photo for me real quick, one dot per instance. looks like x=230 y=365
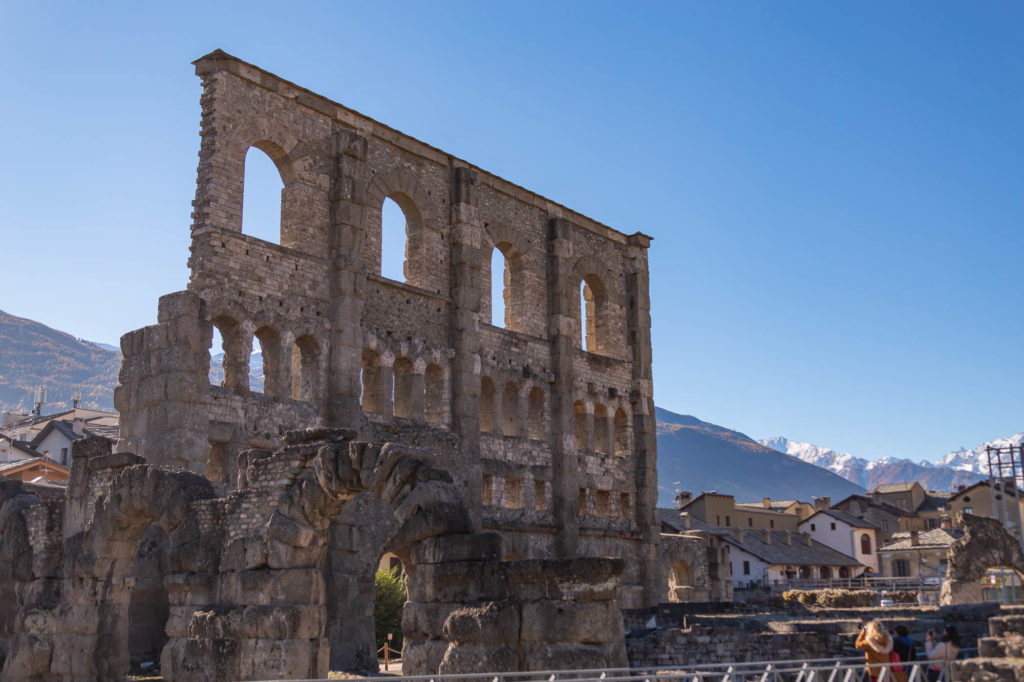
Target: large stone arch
x=985 y=544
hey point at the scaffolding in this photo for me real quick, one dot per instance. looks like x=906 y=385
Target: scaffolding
x=1005 y=477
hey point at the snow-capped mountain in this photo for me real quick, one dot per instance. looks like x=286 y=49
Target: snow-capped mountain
x=976 y=460
x=956 y=468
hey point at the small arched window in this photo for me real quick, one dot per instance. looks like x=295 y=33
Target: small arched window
x=536 y=423
x=404 y=397
x=266 y=357
x=373 y=384
x=507 y=301
x=865 y=544
x=621 y=432
x=234 y=372
x=602 y=430
x=305 y=369
x=579 y=411
x=510 y=410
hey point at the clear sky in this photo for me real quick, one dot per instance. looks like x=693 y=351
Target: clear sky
x=834 y=188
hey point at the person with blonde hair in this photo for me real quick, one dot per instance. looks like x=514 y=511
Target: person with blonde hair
x=876 y=644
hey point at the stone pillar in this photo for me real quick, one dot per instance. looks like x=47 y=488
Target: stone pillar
x=348 y=279
x=563 y=297
x=466 y=236
x=645 y=446
x=163 y=387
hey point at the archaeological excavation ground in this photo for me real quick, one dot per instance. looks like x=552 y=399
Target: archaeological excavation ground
x=510 y=467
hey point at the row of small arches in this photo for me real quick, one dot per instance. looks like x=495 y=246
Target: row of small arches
x=509 y=306
x=403 y=387
x=291 y=365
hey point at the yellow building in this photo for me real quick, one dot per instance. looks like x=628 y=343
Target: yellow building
x=723 y=512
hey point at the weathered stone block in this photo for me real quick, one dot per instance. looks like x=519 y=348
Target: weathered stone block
x=558 y=621
x=423 y=657
x=462 y=547
x=490 y=623
x=585 y=579
x=478 y=658
x=458 y=581
x=284 y=622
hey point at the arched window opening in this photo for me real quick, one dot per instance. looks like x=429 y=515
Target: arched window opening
x=261 y=197
x=510 y=410
x=536 y=423
x=805 y=572
x=680 y=582
x=540 y=495
x=865 y=544
x=579 y=413
x=499 y=288
x=624 y=510
x=825 y=572
x=487 y=411
x=621 y=432
x=305 y=369
x=593 y=315
x=393 y=238
x=256 y=380
x=149 y=605
x=217 y=358
x=844 y=572
x=266 y=357
x=389 y=600
x=404 y=389
x=373 y=384
x=234 y=360
x=602 y=430
x=435 y=407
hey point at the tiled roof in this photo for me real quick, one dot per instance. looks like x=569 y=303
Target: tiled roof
x=895 y=487
x=779 y=552
x=670 y=517
x=884 y=506
x=933 y=503
x=931 y=539
x=845 y=517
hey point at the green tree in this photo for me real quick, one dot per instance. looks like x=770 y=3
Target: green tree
x=387 y=608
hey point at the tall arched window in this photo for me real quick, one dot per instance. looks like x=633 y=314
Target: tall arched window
x=507 y=287
x=594 y=322
x=261 y=197
x=510 y=410
x=393 y=238
x=487 y=411
x=865 y=544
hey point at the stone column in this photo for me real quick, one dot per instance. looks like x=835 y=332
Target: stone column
x=466 y=236
x=563 y=297
x=645 y=447
x=348 y=279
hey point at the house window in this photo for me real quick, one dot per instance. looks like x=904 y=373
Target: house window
x=885 y=524
x=746 y=568
x=718 y=520
x=771 y=522
x=63 y=455
x=750 y=521
x=865 y=544
x=728 y=522
x=968 y=510
x=967 y=498
x=832 y=526
x=812 y=527
x=901 y=568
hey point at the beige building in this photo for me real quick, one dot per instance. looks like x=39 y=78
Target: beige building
x=918 y=555
x=723 y=512
x=981 y=499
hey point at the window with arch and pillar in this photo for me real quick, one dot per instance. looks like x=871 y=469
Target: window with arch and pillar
x=595 y=316
x=865 y=544
x=306 y=369
x=503 y=278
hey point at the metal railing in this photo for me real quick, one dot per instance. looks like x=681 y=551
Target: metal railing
x=874 y=583
x=851 y=669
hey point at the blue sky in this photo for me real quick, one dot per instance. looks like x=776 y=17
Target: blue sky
x=834 y=188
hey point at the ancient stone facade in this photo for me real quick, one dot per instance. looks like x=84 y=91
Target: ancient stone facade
x=243 y=573
x=550 y=445
x=986 y=544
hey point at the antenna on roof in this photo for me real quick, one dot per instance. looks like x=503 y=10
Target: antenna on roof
x=76 y=398
x=40 y=400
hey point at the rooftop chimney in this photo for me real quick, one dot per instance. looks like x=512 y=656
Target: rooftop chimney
x=766 y=502
x=739 y=535
x=915 y=538
x=766 y=536
x=822 y=502
x=806 y=537
x=683 y=498
x=789 y=538
x=685 y=518
x=78 y=426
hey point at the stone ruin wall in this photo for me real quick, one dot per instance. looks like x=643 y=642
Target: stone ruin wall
x=552 y=446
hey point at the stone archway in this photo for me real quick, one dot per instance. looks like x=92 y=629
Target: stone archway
x=985 y=543
x=680 y=582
